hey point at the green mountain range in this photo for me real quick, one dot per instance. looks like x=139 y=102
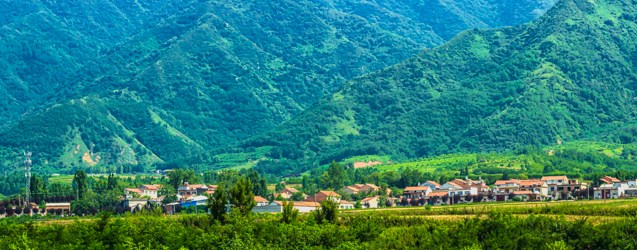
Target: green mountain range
x=570 y=75
x=217 y=73
x=41 y=42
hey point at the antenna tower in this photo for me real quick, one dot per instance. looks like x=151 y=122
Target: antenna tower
x=27 y=167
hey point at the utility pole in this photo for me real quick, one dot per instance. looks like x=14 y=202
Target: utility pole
x=27 y=165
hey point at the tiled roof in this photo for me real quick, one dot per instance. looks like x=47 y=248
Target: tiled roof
x=453 y=184
x=345 y=202
x=551 y=178
x=434 y=183
x=609 y=179
x=369 y=198
x=210 y=192
x=352 y=188
x=503 y=182
x=134 y=190
x=150 y=187
x=521 y=192
x=416 y=188
x=259 y=199
x=330 y=193
x=291 y=190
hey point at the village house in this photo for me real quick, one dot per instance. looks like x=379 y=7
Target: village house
x=613 y=189
x=346 y=205
x=450 y=186
x=277 y=207
x=507 y=186
x=371 y=202
x=431 y=184
x=261 y=201
x=289 y=191
x=193 y=189
x=283 y=195
x=535 y=186
x=363 y=188
x=66 y=207
x=558 y=184
x=143 y=190
x=416 y=192
x=471 y=191
x=323 y=195
x=435 y=198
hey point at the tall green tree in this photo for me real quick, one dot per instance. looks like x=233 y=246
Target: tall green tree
x=38 y=188
x=217 y=203
x=289 y=212
x=80 y=185
x=334 y=177
x=242 y=198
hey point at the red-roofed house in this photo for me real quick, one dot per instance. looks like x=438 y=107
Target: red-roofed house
x=261 y=201
x=370 y=202
x=323 y=195
x=507 y=186
x=609 y=179
x=416 y=192
x=290 y=191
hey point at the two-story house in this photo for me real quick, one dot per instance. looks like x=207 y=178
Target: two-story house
x=416 y=192
x=507 y=186
x=535 y=186
x=192 y=189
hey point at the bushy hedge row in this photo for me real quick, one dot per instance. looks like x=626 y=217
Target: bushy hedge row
x=500 y=230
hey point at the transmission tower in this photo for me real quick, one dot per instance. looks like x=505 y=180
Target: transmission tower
x=27 y=165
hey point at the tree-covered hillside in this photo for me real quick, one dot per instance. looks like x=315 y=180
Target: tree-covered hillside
x=42 y=41
x=570 y=75
x=219 y=72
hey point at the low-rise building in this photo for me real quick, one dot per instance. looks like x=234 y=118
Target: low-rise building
x=371 y=202
x=261 y=201
x=346 y=205
x=507 y=186
x=290 y=191
x=416 y=192
x=323 y=195
x=192 y=189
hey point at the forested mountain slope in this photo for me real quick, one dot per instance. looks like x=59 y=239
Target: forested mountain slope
x=42 y=41
x=220 y=72
x=569 y=75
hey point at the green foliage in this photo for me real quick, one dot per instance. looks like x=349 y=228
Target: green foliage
x=199 y=75
x=242 y=198
x=334 y=177
x=79 y=184
x=327 y=212
x=485 y=90
x=290 y=213
x=217 y=203
x=178 y=176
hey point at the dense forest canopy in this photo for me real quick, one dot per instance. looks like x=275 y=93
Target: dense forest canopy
x=568 y=76
x=215 y=73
